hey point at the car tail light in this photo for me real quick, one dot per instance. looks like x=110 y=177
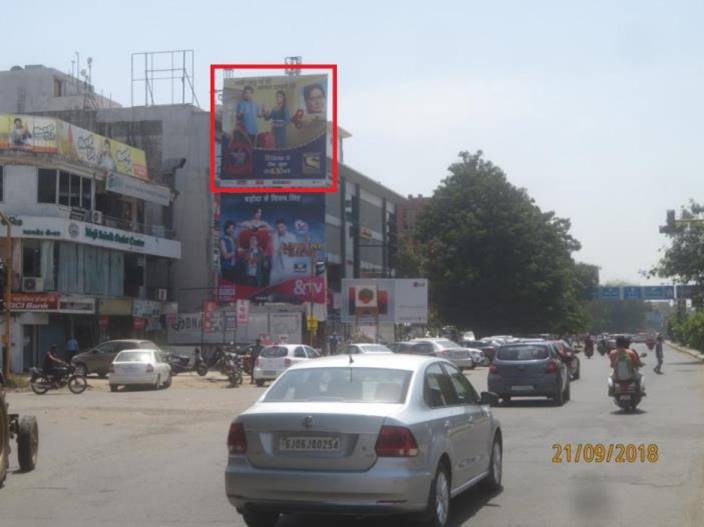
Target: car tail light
x=552 y=367
x=396 y=441
x=150 y=368
x=287 y=362
x=493 y=369
x=236 y=439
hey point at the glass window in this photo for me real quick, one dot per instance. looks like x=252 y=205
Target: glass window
x=274 y=352
x=87 y=201
x=135 y=356
x=46 y=186
x=345 y=385
x=300 y=353
x=438 y=388
x=466 y=394
x=31 y=258
x=522 y=353
x=107 y=347
x=75 y=193
x=64 y=185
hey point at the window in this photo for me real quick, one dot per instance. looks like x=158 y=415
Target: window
x=87 y=200
x=274 y=352
x=57 y=88
x=522 y=353
x=438 y=388
x=64 y=186
x=46 y=186
x=300 y=353
x=31 y=258
x=75 y=191
x=466 y=394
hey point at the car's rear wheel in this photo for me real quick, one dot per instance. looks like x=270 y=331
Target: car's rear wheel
x=81 y=370
x=493 y=480
x=167 y=382
x=158 y=382
x=256 y=518
x=576 y=373
x=506 y=399
x=438 y=510
x=559 y=397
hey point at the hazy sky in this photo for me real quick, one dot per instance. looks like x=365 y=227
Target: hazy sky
x=594 y=106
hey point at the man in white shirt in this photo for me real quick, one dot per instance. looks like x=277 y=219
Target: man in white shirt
x=283 y=244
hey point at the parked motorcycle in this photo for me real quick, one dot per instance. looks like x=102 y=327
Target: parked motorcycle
x=183 y=364
x=215 y=361
x=232 y=368
x=40 y=382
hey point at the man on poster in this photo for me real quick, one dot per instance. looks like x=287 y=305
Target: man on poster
x=283 y=244
x=247 y=112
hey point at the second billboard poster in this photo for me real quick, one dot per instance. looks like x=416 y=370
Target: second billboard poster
x=270 y=247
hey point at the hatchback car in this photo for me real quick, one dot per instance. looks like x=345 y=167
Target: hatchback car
x=139 y=367
x=529 y=370
x=363 y=435
x=273 y=360
x=464 y=358
x=99 y=359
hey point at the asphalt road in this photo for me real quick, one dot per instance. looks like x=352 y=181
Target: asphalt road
x=157 y=458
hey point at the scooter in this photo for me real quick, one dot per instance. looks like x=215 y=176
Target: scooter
x=183 y=364
x=589 y=349
x=627 y=392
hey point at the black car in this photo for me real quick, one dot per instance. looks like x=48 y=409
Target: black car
x=487 y=348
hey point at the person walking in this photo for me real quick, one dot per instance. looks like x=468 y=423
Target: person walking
x=658 y=353
x=71 y=348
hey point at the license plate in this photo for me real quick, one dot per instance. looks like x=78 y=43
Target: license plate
x=270 y=373
x=522 y=388
x=624 y=397
x=309 y=444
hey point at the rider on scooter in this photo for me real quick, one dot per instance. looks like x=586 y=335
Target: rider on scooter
x=625 y=363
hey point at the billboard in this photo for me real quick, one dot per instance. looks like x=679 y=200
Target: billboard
x=30 y=133
x=401 y=301
x=274 y=132
x=269 y=247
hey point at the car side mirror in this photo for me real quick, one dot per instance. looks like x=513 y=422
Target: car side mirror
x=489 y=398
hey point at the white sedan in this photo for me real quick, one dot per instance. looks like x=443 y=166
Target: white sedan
x=139 y=367
x=273 y=360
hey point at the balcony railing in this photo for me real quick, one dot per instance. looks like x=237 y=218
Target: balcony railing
x=142 y=228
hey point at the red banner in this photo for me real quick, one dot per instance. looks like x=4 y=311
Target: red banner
x=138 y=323
x=103 y=321
x=34 y=302
x=293 y=291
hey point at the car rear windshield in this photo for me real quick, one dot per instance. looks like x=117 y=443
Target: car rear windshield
x=146 y=345
x=274 y=352
x=345 y=385
x=522 y=353
x=134 y=356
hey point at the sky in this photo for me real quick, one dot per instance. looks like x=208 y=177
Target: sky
x=595 y=107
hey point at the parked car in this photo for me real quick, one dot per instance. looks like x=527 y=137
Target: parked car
x=529 y=370
x=364 y=347
x=98 y=359
x=382 y=435
x=145 y=367
x=569 y=357
x=273 y=360
x=464 y=358
x=488 y=349
x=413 y=348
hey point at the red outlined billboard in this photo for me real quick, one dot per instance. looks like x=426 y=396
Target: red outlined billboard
x=257 y=162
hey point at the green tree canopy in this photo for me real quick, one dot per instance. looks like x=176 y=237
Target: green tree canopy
x=497 y=262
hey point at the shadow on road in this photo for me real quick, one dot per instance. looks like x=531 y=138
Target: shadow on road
x=467 y=504
x=685 y=363
x=621 y=411
x=529 y=403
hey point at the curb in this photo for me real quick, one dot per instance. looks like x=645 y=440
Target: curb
x=682 y=349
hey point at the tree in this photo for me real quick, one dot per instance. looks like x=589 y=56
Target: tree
x=683 y=260
x=495 y=261
x=617 y=316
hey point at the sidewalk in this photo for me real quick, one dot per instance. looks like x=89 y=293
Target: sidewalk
x=693 y=353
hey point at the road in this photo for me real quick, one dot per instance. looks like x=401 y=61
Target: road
x=157 y=458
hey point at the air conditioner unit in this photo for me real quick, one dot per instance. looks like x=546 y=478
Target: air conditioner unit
x=96 y=216
x=161 y=294
x=32 y=285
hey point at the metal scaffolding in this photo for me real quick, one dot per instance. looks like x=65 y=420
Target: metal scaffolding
x=176 y=68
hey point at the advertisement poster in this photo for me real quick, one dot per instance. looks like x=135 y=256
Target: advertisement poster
x=268 y=247
x=274 y=131
x=53 y=136
x=401 y=301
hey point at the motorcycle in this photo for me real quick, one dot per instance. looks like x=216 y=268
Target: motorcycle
x=232 y=368
x=589 y=349
x=40 y=382
x=183 y=364
x=215 y=361
x=627 y=392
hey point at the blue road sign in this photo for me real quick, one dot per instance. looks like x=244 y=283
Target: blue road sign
x=632 y=292
x=659 y=292
x=685 y=291
x=609 y=293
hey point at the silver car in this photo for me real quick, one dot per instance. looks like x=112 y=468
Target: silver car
x=363 y=435
x=463 y=358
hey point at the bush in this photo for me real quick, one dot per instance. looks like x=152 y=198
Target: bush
x=17 y=382
x=689 y=330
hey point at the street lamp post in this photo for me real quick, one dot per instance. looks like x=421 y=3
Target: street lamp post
x=7 y=293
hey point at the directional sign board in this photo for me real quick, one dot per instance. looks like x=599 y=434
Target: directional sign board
x=609 y=293
x=632 y=293
x=685 y=291
x=659 y=292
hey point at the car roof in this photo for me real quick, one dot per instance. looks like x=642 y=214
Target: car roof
x=391 y=361
x=128 y=340
x=287 y=346
x=141 y=350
